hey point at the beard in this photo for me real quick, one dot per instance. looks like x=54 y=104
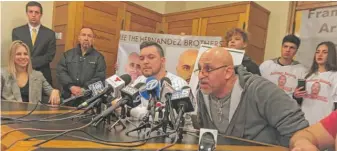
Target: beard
x=152 y=72
x=206 y=91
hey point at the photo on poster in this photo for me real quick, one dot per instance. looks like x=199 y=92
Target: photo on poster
x=180 y=51
x=183 y=67
x=128 y=60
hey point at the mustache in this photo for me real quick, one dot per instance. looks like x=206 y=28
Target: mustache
x=202 y=81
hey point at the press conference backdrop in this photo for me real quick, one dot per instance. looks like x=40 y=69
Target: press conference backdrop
x=173 y=45
x=315 y=26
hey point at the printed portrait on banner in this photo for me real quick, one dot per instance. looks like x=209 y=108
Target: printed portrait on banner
x=180 y=52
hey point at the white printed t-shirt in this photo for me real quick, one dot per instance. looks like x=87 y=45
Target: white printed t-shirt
x=321 y=94
x=286 y=77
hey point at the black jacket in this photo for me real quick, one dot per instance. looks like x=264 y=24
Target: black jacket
x=250 y=65
x=77 y=70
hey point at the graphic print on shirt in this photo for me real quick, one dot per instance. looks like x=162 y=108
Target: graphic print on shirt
x=321 y=93
x=284 y=80
x=317 y=89
x=273 y=71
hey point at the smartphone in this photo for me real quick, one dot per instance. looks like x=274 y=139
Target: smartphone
x=301 y=83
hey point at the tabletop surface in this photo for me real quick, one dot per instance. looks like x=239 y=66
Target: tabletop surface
x=117 y=136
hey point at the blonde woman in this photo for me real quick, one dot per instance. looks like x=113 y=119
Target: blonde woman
x=20 y=82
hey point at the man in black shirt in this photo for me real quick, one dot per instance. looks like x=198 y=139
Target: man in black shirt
x=80 y=66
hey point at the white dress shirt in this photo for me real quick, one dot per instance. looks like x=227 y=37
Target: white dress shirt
x=31 y=29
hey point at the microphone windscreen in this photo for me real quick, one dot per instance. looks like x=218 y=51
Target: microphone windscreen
x=185 y=87
x=149 y=79
x=126 y=78
x=165 y=79
x=139 y=85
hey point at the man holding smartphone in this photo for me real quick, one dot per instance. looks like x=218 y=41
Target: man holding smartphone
x=284 y=71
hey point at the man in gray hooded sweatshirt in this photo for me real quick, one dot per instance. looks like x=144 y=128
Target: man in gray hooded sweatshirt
x=240 y=104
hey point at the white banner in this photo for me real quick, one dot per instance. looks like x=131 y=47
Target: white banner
x=316 y=26
x=180 y=51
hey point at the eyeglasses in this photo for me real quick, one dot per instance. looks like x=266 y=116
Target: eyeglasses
x=206 y=70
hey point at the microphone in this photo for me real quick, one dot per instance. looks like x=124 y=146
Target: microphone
x=96 y=88
x=92 y=105
x=129 y=94
x=159 y=108
x=117 y=83
x=165 y=96
x=182 y=102
x=152 y=89
x=114 y=84
x=132 y=94
x=72 y=98
x=166 y=89
x=207 y=142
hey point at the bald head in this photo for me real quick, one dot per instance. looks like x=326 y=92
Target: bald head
x=133 y=55
x=133 y=66
x=217 y=72
x=217 y=55
x=188 y=55
x=186 y=63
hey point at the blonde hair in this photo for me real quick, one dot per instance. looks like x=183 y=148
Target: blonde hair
x=12 y=52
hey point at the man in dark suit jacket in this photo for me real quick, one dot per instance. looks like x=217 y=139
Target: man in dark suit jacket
x=40 y=40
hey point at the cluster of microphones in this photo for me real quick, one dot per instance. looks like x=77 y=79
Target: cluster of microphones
x=160 y=94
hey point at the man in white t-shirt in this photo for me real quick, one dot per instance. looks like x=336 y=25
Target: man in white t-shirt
x=284 y=68
x=153 y=64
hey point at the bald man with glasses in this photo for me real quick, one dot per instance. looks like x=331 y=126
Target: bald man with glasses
x=238 y=103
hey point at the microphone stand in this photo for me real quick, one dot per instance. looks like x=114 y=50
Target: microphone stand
x=119 y=121
x=123 y=116
x=146 y=119
x=98 y=111
x=165 y=121
x=127 y=114
x=167 y=112
x=180 y=123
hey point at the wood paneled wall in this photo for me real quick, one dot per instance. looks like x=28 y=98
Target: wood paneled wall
x=216 y=21
x=257 y=28
x=140 y=19
x=107 y=19
x=103 y=18
x=302 y=5
x=60 y=25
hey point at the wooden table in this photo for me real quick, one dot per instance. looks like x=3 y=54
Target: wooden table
x=64 y=143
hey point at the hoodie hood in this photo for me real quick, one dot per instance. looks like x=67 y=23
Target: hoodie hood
x=245 y=79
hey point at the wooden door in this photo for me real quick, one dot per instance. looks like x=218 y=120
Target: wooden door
x=257 y=28
x=60 y=25
x=177 y=24
x=105 y=18
x=219 y=25
x=140 y=19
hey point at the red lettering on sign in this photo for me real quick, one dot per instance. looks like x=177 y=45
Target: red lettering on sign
x=117 y=79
